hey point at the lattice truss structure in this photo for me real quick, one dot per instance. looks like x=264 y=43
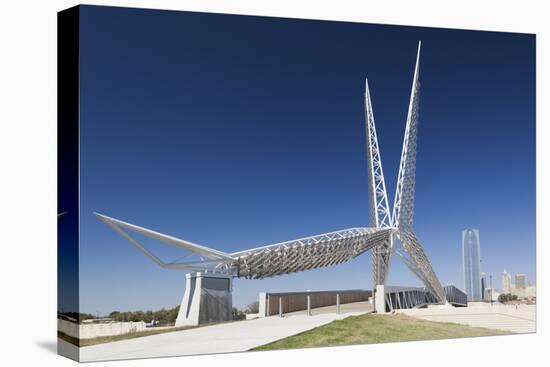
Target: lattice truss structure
x=281 y=258
x=328 y=249
x=380 y=215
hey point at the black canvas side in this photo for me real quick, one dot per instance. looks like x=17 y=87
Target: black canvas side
x=68 y=179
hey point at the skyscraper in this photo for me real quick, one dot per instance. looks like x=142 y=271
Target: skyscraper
x=506 y=283
x=520 y=281
x=471 y=260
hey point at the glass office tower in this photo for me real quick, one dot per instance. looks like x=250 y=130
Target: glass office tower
x=471 y=264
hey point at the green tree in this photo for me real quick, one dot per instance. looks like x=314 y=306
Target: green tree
x=172 y=314
x=238 y=314
x=163 y=316
x=507 y=297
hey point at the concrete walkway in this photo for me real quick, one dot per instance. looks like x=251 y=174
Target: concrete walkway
x=235 y=336
x=500 y=317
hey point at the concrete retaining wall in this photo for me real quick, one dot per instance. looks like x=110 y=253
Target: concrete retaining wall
x=87 y=331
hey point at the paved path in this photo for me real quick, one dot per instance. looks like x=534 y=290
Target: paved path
x=500 y=317
x=229 y=337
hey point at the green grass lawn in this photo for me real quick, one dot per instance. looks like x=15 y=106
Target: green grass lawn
x=373 y=328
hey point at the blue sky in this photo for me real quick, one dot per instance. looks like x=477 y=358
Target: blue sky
x=235 y=132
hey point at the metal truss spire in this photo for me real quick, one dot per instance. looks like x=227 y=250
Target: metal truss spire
x=380 y=209
x=380 y=215
x=403 y=209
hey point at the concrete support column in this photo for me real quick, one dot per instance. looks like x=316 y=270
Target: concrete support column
x=280 y=306
x=337 y=303
x=309 y=305
x=263 y=305
x=380 y=299
x=207 y=299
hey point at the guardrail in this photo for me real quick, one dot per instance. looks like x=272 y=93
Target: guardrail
x=406 y=297
x=416 y=297
x=281 y=303
x=455 y=296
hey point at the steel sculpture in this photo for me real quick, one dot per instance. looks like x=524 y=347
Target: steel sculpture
x=386 y=227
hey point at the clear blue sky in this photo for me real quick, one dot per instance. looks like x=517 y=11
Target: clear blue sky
x=234 y=132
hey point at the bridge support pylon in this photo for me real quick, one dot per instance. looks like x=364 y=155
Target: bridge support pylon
x=207 y=299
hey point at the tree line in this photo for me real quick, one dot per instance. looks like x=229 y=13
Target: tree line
x=503 y=298
x=162 y=316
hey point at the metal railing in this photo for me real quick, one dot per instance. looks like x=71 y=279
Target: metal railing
x=455 y=296
x=416 y=297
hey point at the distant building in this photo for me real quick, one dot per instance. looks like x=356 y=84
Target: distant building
x=530 y=292
x=520 y=281
x=483 y=285
x=520 y=286
x=506 y=283
x=471 y=264
x=490 y=293
x=487 y=294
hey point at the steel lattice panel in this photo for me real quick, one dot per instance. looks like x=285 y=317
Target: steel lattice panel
x=305 y=254
x=420 y=264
